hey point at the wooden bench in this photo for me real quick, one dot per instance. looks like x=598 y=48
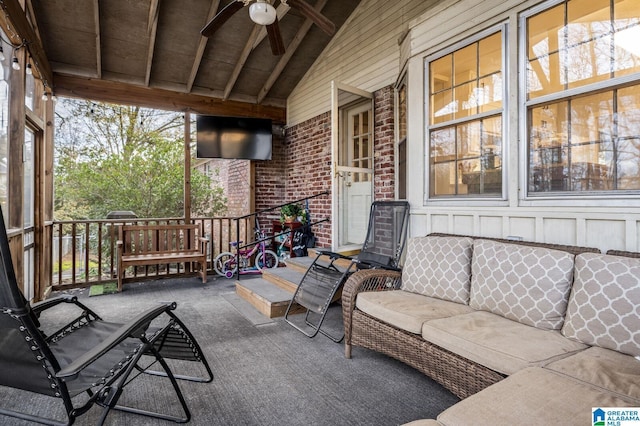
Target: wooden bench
x=159 y=245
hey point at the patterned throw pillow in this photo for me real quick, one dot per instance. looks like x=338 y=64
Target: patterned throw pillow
x=438 y=267
x=604 y=308
x=530 y=285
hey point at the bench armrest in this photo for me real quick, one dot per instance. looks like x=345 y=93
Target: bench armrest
x=365 y=280
x=204 y=241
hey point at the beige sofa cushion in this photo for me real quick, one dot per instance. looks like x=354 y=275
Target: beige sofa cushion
x=526 y=284
x=603 y=308
x=406 y=310
x=498 y=343
x=606 y=369
x=438 y=267
x=534 y=396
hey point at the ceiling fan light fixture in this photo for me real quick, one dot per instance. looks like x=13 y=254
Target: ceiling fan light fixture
x=262 y=13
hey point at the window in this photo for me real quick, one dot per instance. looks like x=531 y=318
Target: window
x=5 y=74
x=30 y=91
x=465 y=120
x=29 y=177
x=583 y=97
x=402 y=140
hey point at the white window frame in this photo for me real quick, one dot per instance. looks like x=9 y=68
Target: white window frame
x=479 y=200
x=565 y=198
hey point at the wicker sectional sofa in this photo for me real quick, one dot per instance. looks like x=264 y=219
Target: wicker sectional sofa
x=522 y=332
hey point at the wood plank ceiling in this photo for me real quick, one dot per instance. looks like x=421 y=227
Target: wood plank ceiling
x=139 y=50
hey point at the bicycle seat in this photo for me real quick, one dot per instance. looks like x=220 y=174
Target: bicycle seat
x=235 y=243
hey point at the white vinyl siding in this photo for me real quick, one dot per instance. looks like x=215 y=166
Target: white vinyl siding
x=364 y=53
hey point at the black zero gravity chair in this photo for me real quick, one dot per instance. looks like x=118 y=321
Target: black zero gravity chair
x=382 y=248
x=88 y=359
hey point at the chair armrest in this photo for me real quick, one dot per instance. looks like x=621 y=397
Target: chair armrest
x=365 y=280
x=39 y=307
x=134 y=328
x=42 y=306
x=333 y=255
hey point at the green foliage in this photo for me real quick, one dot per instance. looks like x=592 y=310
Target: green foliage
x=291 y=211
x=125 y=158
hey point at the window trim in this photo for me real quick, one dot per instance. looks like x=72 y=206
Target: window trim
x=402 y=81
x=559 y=198
x=475 y=199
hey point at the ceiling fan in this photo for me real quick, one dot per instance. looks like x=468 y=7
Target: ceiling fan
x=263 y=13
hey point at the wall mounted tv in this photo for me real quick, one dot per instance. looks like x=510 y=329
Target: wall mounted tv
x=233 y=137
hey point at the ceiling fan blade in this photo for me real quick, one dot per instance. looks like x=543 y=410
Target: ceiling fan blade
x=221 y=17
x=320 y=20
x=275 y=38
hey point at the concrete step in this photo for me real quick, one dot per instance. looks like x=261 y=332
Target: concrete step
x=300 y=264
x=268 y=298
x=286 y=278
x=271 y=292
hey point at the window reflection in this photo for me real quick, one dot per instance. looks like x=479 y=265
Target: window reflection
x=579 y=43
x=466 y=159
x=466 y=156
x=586 y=142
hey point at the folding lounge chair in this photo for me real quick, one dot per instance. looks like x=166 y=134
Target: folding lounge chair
x=88 y=361
x=382 y=248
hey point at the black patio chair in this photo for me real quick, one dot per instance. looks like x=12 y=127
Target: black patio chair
x=88 y=361
x=382 y=248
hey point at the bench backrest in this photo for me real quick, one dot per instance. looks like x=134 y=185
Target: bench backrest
x=148 y=239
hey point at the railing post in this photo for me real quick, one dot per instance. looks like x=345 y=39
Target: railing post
x=238 y=249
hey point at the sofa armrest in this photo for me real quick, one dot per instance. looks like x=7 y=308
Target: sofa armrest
x=364 y=280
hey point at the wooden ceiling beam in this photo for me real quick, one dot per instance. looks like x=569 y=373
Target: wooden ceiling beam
x=152 y=28
x=244 y=55
x=22 y=27
x=257 y=35
x=96 y=23
x=31 y=16
x=291 y=49
x=202 y=44
x=122 y=93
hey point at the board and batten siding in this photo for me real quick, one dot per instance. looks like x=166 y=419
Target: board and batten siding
x=605 y=223
x=364 y=53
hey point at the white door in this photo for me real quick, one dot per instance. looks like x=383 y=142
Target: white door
x=352 y=130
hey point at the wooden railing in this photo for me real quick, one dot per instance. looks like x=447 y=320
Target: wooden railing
x=83 y=252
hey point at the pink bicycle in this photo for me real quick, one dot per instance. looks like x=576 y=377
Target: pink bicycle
x=226 y=263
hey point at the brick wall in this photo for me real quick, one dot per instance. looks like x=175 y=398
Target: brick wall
x=238 y=186
x=270 y=182
x=301 y=164
x=383 y=151
x=234 y=177
x=308 y=171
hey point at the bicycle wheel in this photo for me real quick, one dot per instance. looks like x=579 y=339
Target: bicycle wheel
x=267 y=259
x=225 y=262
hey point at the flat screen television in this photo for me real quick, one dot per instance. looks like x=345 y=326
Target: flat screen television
x=233 y=137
